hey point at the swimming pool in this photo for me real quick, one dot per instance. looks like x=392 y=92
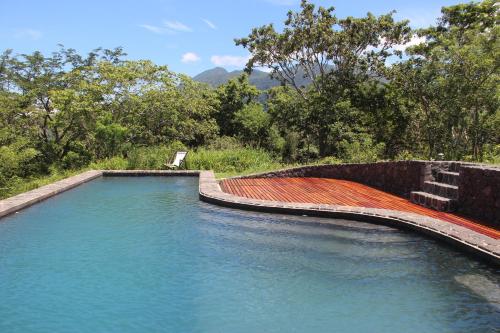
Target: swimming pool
x=143 y=254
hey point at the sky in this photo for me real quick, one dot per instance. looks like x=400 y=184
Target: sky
x=189 y=36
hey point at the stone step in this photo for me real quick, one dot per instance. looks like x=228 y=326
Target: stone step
x=433 y=201
x=448 y=177
x=441 y=189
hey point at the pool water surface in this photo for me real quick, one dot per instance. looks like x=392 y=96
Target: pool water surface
x=143 y=254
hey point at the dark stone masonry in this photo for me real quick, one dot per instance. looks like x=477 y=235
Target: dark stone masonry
x=394 y=177
x=479 y=193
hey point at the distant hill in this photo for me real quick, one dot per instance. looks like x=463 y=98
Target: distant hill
x=262 y=80
x=218 y=76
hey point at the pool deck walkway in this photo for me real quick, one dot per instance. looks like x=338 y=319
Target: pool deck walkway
x=342 y=193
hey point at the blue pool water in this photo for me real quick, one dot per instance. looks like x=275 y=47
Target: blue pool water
x=145 y=255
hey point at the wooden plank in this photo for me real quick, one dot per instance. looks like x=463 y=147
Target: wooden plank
x=339 y=192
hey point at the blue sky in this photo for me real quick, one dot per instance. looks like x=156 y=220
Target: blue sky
x=187 y=35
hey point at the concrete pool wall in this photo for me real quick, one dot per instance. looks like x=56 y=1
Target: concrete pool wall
x=465 y=239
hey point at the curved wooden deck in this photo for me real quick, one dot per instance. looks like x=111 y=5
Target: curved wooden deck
x=339 y=192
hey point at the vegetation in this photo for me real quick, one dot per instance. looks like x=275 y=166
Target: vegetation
x=348 y=92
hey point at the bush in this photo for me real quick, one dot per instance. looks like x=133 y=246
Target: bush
x=152 y=158
x=231 y=160
x=405 y=155
x=329 y=160
x=114 y=163
x=290 y=148
x=73 y=160
x=224 y=142
x=491 y=154
x=77 y=157
x=17 y=161
x=361 y=150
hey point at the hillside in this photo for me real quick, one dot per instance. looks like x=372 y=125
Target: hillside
x=262 y=80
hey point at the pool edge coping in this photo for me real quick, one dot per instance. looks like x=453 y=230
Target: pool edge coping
x=209 y=191
x=463 y=238
x=23 y=200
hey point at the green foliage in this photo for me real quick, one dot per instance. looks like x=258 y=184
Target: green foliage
x=233 y=97
x=336 y=54
x=406 y=155
x=492 y=154
x=152 y=158
x=74 y=161
x=330 y=160
x=362 y=150
x=16 y=185
x=64 y=112
x=230 y=161
x=110 y=137
x=452 y=79
x=16 y=162
x=224 y=143
x=113 y=163
x=252 y=124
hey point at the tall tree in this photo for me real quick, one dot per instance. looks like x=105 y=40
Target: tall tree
x=233 y=97
x=454 y=79
x=335 y=53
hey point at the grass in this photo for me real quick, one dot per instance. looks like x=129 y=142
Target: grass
x=20 y=185
x=225 y=162
x=231 y=162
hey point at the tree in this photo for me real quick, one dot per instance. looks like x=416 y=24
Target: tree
x=233 y=96
x=336 y=54
x=36 y=79
x=252 y=124
x=453 y=79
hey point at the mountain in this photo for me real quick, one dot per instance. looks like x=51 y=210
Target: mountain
x=218 y=75
x=262 y=80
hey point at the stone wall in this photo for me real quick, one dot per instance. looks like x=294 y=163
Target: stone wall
x=399 y=178
x=479 y=193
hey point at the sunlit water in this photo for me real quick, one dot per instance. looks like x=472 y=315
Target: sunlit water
x=145 y=255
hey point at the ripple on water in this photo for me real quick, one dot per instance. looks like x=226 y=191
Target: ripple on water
x=144 y=254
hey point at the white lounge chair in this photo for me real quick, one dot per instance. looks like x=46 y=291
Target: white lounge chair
x=177 y=161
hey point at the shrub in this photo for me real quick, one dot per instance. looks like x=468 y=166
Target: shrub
x=231 y=160
x=405 y=155
x=491 y=154
x=114 y=163
x=73 y=160
x=290 y=148
x=329 y=160
x=153 y=158
x=361 y=150
x=224 y=142
x=76 y=158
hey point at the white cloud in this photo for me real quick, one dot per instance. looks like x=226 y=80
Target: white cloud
x=264 y=69
x=177 y=26
x=154 y=29
x=190 y=57
x=230 y=61
x=210 y=24
x=415 y=40
x=29 y=33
